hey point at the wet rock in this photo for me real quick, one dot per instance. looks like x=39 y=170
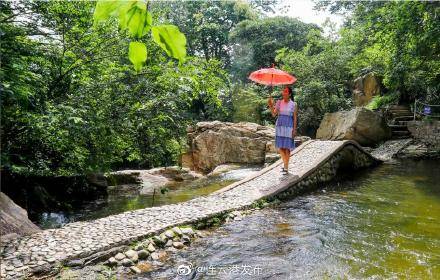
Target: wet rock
x=143 y=254
x=177 y=231
x=151 y=248
x=186 y=239
x=127 y=262
x=138 y=247
x=169 y=243
x=178 y=245
x=132 y=255
x=135 y=269
x=158 y=240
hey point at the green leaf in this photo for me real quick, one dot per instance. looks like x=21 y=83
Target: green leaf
x=137 y=53
x=135 y=18
x=105 y=9
x=171 y=40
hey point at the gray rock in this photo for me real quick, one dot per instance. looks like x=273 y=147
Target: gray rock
x=143 y=254
x=177 y=231
x=169 y=234
x=360 y=124
x=155 y=256
x=158 y=240
x=151 y=248
x=14 y=220
x=169 y=243
x=188 y=231
x=119 y=256
x=127 y=262
x=138 y=247
x=130 y=254
x=112 y=261
x=186 y=239
x=178 y=245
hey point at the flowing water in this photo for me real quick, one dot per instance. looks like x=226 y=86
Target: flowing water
x=381 y=223
x=120 y=202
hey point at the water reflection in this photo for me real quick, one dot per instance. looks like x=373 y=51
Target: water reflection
x=380 y=224
x=120 y=202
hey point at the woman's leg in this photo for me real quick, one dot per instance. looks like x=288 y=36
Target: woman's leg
x=287 y=157
x=283 y=156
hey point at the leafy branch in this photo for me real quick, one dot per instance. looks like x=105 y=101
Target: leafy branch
x=135 y=17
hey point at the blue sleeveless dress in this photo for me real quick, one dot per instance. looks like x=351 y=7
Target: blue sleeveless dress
x=284 y=125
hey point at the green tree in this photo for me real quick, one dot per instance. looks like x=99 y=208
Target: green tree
x=323 y=78
x=71 y=103
x=397 y=39
x=207 y=24
x=255 y=42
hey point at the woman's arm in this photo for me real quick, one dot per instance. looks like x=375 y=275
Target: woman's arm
x=295 y=114
x=273 y=109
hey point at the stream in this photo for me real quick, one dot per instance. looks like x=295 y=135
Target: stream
x=119 y=202
x=376 y=224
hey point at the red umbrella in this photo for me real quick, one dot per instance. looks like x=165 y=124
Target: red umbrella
x=272 y=77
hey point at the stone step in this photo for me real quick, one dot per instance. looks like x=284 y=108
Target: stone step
x=394 y=137
x=400 y=133
x=404 y=118
x=399 y=114
x=405 y=123
x=398 y=127
x=398 y=107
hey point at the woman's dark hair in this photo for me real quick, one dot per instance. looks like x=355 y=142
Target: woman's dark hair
x=290 y=93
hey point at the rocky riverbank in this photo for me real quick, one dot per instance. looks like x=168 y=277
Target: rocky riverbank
x=43 y=253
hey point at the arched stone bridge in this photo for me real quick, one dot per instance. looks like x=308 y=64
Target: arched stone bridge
x=311 y=163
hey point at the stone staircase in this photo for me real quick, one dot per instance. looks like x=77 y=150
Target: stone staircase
x=398 y=117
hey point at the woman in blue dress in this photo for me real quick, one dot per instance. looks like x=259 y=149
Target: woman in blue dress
x=285 y=127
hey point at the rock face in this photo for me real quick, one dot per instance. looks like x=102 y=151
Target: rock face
x=360 y=124
x=427 y=132
x=13 y=219
x=214 y=143
x=365 y=88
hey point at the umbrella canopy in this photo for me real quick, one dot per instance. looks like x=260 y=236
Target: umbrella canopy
x=272 y=77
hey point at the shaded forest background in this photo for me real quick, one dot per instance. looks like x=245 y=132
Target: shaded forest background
x=71 y=102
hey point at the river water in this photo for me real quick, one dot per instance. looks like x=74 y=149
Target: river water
x=381 y=223
x=119 y=202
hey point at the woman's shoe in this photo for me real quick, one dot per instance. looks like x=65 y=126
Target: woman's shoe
x=284 y=171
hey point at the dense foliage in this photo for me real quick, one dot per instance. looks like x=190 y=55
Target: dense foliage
x=399 y=40
x=71 y=101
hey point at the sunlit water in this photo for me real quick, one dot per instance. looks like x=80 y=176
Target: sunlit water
x=381 y=224
x=120 y=202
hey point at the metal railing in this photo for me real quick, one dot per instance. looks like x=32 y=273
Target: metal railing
x=425 y=109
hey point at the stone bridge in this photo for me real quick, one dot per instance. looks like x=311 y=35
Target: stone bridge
x=311 y=163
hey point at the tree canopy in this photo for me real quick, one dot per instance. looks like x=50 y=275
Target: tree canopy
x=93 y=86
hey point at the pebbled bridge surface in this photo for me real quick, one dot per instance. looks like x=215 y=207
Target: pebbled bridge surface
x=44 y=251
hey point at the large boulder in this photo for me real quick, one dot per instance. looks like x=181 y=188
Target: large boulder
x=360 y=124
x=365 y=88
x=13 y=219
x=214 y=143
